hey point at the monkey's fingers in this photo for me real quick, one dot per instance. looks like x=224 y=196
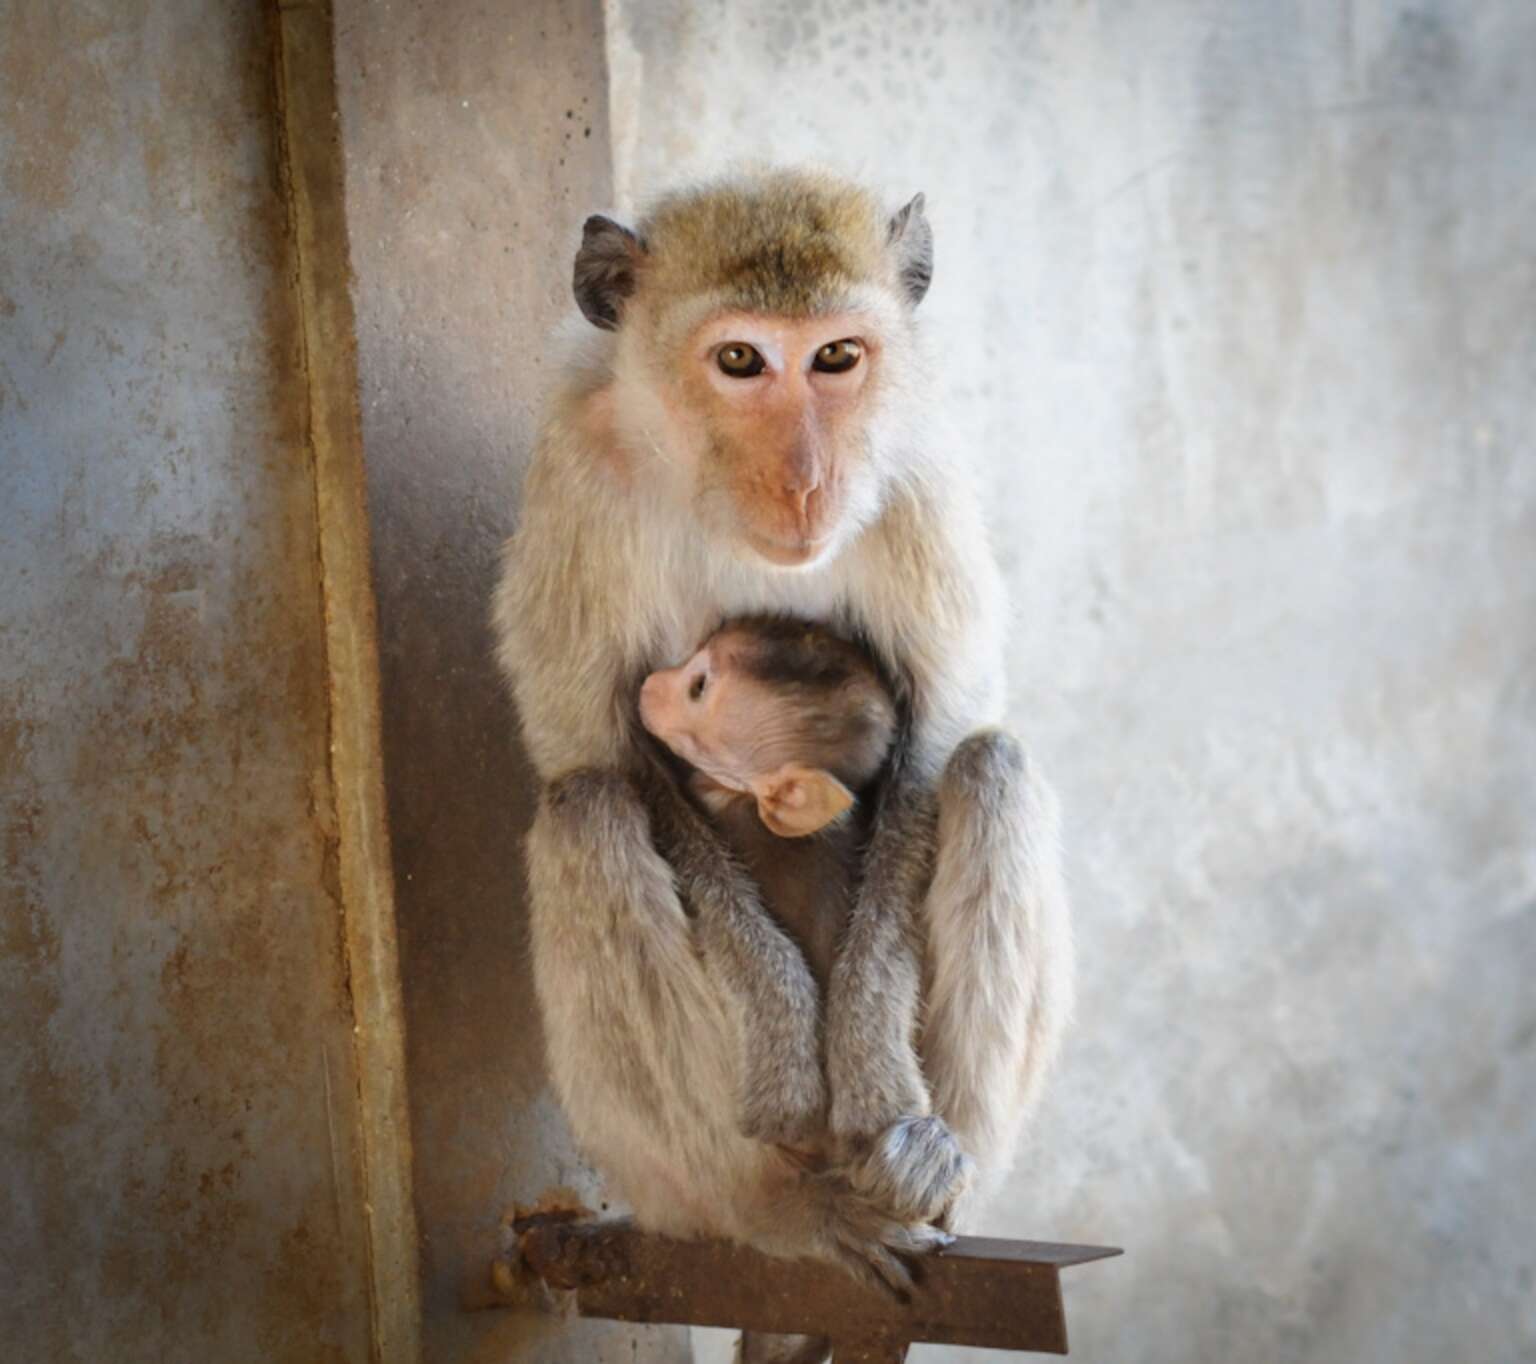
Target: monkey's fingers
x=872 y=1244
x=872 y=1264
x=918 y=1239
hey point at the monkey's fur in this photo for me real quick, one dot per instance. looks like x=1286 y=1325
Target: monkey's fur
x=801 y=709
x=660 y=501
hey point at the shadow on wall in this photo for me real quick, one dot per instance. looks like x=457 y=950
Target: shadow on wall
x=460 y=795
x=461 y=260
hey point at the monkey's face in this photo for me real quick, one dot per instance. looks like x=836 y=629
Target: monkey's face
x=764 y=324
x=704 y=712
x=754 y=698
x=773 y=414
x=729 y=724
x=743 y=735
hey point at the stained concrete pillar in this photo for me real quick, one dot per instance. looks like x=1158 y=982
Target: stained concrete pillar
x=196 y=948
x=476 y=140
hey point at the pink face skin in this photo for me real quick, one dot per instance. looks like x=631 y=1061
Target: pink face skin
x=695 y=711
x=783 y=432
x=740 y=735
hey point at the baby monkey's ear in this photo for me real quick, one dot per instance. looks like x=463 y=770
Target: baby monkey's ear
x=796 y=801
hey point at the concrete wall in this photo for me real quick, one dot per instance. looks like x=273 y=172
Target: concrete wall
x=1233 y=305
x=476 y=139
x=180 y=1171
x=1234 y=309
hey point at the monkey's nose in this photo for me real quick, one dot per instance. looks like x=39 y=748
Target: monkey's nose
x=801 y=497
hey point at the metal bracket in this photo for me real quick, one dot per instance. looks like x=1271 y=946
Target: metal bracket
x=983 y=1292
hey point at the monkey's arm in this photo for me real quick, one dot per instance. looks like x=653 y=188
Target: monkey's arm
x=569 y=617
x=998 y=984
x=986 y=908
x=783 y=1091
x=874 y=994
x=932 y=600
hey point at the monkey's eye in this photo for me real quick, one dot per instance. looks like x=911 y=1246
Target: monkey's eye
x=837 y=357
x=696 y=687
x=739 y=360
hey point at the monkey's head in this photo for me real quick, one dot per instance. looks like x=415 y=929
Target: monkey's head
x=764 y=331
x=779 y=710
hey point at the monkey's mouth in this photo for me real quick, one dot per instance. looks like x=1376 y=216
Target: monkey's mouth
x=800 y=552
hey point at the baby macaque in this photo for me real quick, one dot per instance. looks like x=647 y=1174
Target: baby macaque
x=784 y=724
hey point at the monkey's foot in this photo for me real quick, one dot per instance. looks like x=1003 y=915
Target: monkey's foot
x=870 y=1244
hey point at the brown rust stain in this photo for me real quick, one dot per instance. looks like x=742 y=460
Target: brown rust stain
x=169 y=943
x=53 y=106
x=16 y=729
x=29 y=950
x=39 y=1085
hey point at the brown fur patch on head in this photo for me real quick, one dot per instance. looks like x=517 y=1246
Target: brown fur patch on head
x=789 y=242
x=838 y=713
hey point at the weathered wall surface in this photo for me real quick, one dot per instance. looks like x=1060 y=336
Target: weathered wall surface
x=476 y=139
x=1233 y=304
x=178 y=1168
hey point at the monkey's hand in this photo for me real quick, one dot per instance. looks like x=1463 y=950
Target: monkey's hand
x=914 y=1170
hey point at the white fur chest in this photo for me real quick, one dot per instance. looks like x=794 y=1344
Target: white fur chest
x=698 y=588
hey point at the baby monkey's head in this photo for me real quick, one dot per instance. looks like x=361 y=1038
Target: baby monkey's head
x=778 y=709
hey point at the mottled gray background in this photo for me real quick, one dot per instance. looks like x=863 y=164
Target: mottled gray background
x=181 y=1177
x=1236 y=308
x=1236 y=313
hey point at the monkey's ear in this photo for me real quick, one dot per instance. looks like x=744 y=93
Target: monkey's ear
x=912 y=240
x=796 y=801
x=605 y=270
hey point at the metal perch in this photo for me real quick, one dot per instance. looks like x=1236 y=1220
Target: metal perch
x=994 y=1294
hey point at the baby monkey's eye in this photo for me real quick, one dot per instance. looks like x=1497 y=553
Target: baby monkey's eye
x=836 y=357
x=739 y=360
x=696 y=687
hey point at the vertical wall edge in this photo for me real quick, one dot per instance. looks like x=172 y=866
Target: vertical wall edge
x=314 y=180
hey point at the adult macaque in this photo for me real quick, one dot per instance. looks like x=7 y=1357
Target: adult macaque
x=748 y=434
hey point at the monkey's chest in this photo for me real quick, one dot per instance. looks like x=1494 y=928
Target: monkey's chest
x=704 y=599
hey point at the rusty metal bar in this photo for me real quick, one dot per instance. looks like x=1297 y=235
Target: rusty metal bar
x=991 y=1294
x=868 y=1354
